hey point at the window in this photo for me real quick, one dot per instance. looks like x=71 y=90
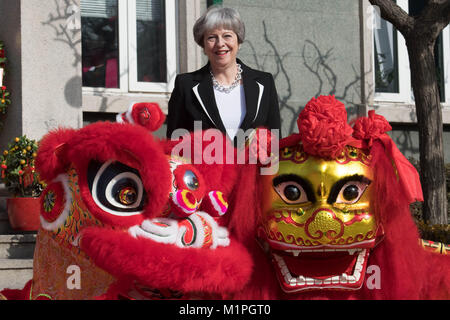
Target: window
x=213 y=2
x=128 y=45
x=391 y=63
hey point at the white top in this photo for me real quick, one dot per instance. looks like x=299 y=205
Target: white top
x=232 y=109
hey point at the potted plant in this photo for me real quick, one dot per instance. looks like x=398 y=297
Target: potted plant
x=22 y=181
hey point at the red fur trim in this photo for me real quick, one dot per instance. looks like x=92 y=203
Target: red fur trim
x=50 y=160
x=243 y=211
x=180 y=184
x=104 y=141
x=225 y=269
x=222 y=176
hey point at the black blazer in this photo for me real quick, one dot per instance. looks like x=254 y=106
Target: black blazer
x=193 y=99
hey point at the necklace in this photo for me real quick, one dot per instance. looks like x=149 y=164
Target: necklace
x=221 y=88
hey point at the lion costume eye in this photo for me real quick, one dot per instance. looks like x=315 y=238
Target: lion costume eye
x=190 y=180
x=116 y=188
x=351 y=192
x=291 y=192
x=187 y=177
x=348 y=190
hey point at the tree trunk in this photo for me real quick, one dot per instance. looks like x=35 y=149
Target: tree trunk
x=429 y=118
x=421 y=33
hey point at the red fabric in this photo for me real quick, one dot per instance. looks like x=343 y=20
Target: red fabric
x=369 y=128
x=148 y=115
x=157 y=265
x=323 y=127
x=18 y=294
x=406 y=270
x=50 y=159
x=373 y=128
x=289 y=141
x=406 y=173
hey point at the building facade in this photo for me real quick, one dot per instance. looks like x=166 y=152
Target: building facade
x=73 y=62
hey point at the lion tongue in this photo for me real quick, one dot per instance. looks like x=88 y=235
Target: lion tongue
x=320 y=265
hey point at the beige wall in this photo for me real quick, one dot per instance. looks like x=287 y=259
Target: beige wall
x=44 y=67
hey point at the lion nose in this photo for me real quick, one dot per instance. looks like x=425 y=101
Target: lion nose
x=324 y=226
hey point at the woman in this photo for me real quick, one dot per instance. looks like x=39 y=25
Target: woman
x=225 y=94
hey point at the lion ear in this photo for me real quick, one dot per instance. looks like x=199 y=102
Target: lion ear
x=146 y=114
x=51 y=159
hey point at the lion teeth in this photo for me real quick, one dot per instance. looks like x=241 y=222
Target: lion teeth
x=305 y=282
x=295 y=253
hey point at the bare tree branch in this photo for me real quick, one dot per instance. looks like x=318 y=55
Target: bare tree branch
x=433 y=18
x=435 y=9
x=391 y=12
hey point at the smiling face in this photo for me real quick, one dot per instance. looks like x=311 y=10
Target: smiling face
x=221 y=46
x=317 y=219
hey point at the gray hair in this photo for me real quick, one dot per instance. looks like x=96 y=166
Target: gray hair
x=219 y=17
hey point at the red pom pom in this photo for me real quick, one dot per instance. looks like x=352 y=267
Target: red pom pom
x=371 y=127
x=215 y=204
x=183 y=203
x=323 y=127
x=148 y=115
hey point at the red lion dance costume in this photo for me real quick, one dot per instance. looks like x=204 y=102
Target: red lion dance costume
x=132 y=221
x=335 y=220
x=140 y=223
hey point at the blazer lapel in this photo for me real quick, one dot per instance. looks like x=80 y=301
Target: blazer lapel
x=253 y=93
x=203 y=90
x=205 y=95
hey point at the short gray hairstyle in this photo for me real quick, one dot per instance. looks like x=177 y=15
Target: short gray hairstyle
x=219 y=17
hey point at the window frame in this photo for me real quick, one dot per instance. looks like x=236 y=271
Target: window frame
x=128 y=57
x=137 y=86
x=446 y=62
x=405 y=94
x=404 y=75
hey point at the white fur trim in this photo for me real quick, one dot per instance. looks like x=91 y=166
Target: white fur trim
x=215 y=204
x=219 y=234
x=128 y=115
